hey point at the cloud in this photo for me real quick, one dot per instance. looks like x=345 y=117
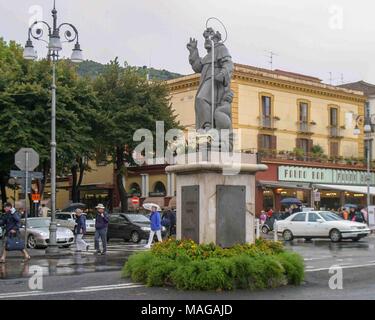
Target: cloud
x=314 y=37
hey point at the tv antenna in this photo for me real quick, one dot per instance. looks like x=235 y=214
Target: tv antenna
x=271 y=56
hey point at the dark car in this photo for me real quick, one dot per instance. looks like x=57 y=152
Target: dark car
x=130 y=227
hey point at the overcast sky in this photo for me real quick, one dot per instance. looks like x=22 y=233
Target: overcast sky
x=314 y=37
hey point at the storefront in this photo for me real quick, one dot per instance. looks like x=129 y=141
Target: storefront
x=326 y=188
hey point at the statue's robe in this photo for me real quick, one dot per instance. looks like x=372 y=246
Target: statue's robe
x=223 y=66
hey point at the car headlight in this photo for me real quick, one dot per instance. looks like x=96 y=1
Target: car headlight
x=146 y=229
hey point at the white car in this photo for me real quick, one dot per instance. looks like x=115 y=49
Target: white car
x=68 y=220
x=320 y=224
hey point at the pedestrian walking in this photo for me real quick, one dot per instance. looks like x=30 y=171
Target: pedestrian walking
x=352 y=214
x=43 y=211
x=270 y=213
x=80 y=231
x=101 y=228
x=359 y=216
x=263 y=217
x=155 y=226
x=11 y=220
x=345 y=214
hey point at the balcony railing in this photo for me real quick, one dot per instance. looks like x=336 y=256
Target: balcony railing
x=334 y=132
x=266 y=122
x=304 y=127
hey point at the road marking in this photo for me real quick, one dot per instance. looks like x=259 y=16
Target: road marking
x=314 y=259
x=344 y=267
x=82 y=290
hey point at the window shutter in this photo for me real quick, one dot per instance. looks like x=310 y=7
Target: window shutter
x=298 y=143
x=274 y=143
x=310 y=145
x=334 y=149
x=260 y=142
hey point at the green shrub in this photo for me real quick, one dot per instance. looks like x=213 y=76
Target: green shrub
x=294 y=267
x=210 y=274
x=160 y=272
x=137 y=266
x=188 y=266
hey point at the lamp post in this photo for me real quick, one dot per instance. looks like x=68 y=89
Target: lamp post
x=368 y=122
x=54 y=47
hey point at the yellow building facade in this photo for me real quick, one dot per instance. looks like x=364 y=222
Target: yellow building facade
x=291 y=110
x=275 y=112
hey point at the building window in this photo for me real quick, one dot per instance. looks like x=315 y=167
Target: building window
x=334 y=122
x=333 y=117
x=159 y=187
x=303 y=116
x=305 y=145
x=266 y=112
x=266 y=142
x=303 y=112
x=135 y=188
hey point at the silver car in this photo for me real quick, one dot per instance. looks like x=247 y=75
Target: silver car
x=38 y=233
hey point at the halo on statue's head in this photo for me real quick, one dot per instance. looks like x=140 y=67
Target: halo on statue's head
x=225 y=29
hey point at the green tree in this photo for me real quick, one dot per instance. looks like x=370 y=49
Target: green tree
x=128 y=103
x=25 y=108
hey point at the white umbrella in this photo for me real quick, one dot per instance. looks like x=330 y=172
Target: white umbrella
x=148 y=206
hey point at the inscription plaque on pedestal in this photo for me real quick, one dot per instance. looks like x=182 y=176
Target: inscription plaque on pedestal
x=190 y=213
x=230 y=215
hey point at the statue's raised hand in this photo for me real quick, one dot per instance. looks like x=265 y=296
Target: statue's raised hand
x=192 y=45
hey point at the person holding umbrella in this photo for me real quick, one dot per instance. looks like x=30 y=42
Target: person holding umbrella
x=155 y=224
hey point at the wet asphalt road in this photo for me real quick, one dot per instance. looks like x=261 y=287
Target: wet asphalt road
x=84 y=276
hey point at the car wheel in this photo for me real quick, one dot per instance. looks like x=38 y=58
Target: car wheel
x=31 y=242
x=335 y=235
x=265 y=230
x=288 y=235
x=356 y=239
x=135 y=237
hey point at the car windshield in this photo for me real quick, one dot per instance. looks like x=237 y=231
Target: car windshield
x=330 y=216
x=38 y=223
x=137 y=218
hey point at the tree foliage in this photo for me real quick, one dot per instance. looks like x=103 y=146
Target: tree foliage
x=92 y=117
x=25 y=109
x=129 y=102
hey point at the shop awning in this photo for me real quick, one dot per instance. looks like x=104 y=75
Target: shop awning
x=284 y=185
x=354 y=189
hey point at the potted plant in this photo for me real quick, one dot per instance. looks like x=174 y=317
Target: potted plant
x=299 y=154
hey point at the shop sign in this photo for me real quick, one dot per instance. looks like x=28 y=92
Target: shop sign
x=324 y=176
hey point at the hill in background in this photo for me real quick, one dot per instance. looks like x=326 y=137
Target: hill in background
x=92 y=69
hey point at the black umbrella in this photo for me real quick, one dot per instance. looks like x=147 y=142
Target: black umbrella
x=290 y=201
x=74 y=206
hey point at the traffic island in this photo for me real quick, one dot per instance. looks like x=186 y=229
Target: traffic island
x=186 y=265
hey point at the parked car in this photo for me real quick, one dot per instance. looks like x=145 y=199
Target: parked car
x=130 y=227
x=38 y=233
x=321 y=224
x=68 y=220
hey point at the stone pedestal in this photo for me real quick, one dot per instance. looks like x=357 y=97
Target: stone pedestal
x=216 y=200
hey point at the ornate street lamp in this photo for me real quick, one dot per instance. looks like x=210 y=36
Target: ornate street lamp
x=54 y=47
x=368 y=122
